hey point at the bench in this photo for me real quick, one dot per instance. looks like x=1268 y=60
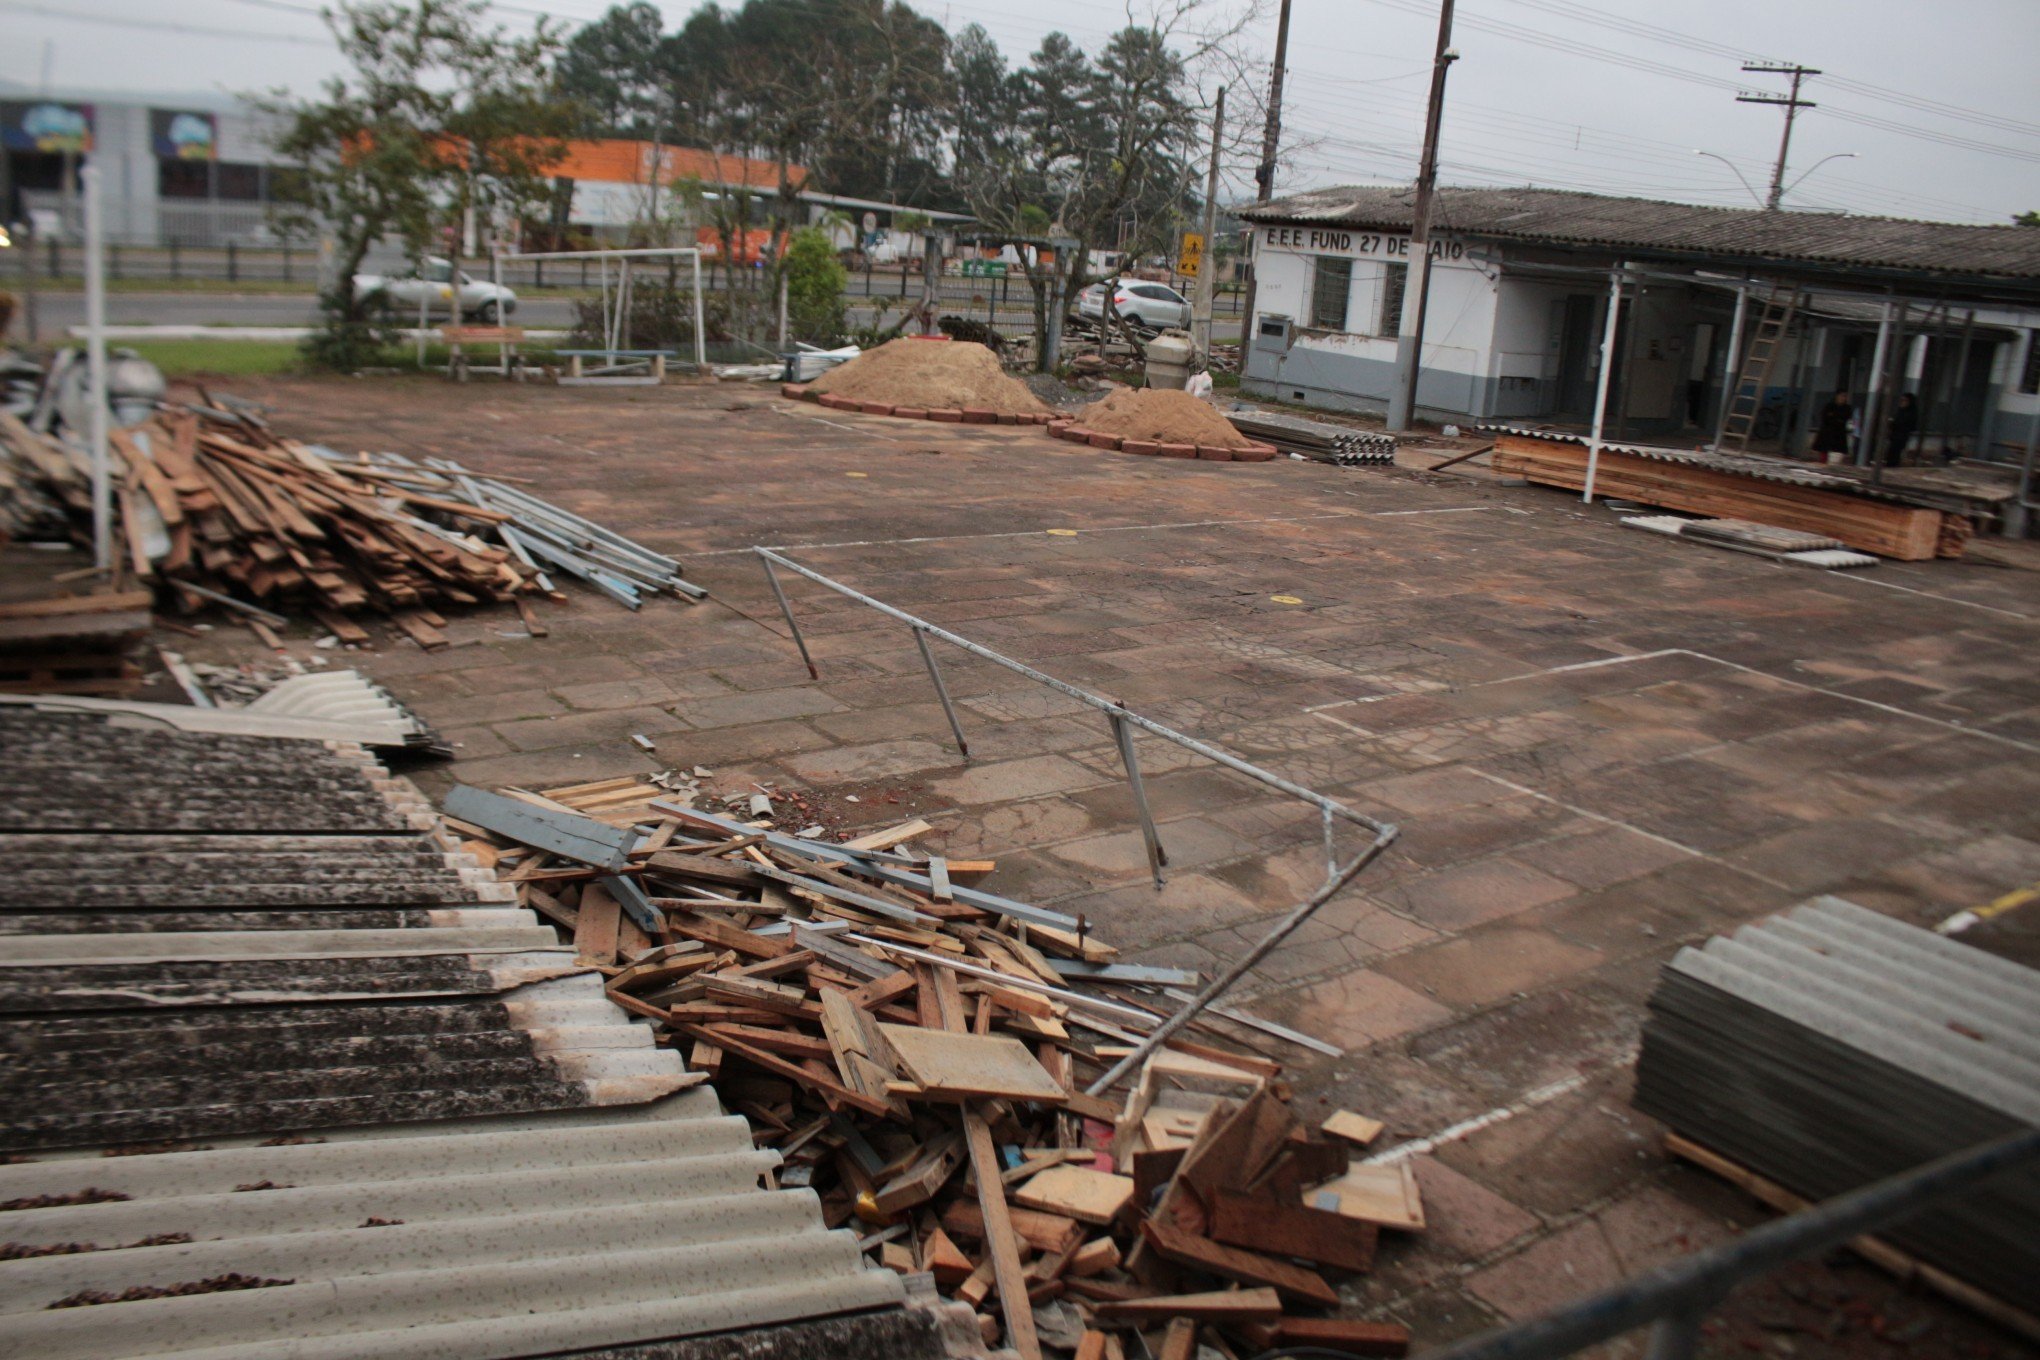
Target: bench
x=634 y=357
x=505 y=338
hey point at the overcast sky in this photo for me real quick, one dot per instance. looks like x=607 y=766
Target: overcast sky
x=1938 y=102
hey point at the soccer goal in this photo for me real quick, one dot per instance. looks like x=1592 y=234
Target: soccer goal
x=616 y=361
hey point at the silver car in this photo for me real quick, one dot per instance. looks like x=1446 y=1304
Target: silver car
x=435 y=288
x=1153 y=305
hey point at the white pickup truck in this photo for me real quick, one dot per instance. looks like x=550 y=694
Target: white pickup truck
x=434 y=288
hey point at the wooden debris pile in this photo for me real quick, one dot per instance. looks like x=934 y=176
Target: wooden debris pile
x=921 y=1053
x=215 y=507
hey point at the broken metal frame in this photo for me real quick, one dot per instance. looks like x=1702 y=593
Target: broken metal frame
x=1122 y=720
x=616 y=317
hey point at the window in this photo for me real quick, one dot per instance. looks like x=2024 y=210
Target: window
x=239 y=181
x=1395 y=279
x=1331 y=283
x=184 y=179
x=2029 y=381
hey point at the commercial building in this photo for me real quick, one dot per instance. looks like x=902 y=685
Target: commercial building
x=1520 y=287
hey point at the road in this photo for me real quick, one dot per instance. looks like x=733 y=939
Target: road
x=55 y=311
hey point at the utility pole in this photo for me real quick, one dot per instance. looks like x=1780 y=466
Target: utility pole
x=1402 y=398
x=1264 y=173
x=1207 y=260
x=1792 y=104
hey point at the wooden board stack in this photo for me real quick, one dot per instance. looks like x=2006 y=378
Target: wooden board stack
x=73 y=644
x=208 y=500
x=919 y=1052
x=1906 y=533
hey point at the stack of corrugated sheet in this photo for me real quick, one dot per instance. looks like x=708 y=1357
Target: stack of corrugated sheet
x=1830 y=1047
x=1327 y=443
x=242 y=970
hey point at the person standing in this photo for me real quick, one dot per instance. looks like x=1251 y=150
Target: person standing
x=1899 y=430
x=1831 y=434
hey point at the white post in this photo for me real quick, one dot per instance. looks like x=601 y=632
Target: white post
x=95 y=361
x=700 y=340
x=782 y=311
x=1732 y=370
x=424 y=310
x=1601 y=383
x=1866 y=437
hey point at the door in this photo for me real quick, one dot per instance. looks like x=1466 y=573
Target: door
x=1579 y=333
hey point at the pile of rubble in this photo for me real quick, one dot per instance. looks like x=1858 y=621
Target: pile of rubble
x=953 y=1073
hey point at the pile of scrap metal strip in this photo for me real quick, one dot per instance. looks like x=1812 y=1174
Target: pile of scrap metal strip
x=925 y=1055
x=1317 y=439
x=1758 y=540
x=215 y=507
x=1832 y=1046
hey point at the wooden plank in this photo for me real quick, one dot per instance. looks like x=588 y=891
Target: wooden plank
x=1050 y=1233
x=955 y=1066
x=1232 y=1263
x=1000 y=1237
x=1384 y=1194
x=1226 y=1305
x=1341 y=1334
x=926 y=1175
x=1094 y=1258
x=793 y=1072
x=1356 y=1129
x=1293 y=1230
x=890 y=836
x=1095 y=1197
x=595 y=934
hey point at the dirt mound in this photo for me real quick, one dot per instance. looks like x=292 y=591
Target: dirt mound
x=1163 y=415
x=949 y=374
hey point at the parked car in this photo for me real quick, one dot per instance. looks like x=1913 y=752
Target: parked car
x=404 y=292
x=1153 y=305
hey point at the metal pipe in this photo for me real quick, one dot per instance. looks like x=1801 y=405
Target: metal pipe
x=1866 y=438
x=1122 y=736
x=1695 y=1282
x=1223 y=982
x=941 y=690
x=787 y=610
x=1103 y=705
x=1676 y=1336
x=700 y=340
x=1601 y=383
x=96 y=415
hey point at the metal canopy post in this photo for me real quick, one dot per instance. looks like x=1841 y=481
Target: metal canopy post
x=1866 y=437
x=941 y=690
x=1157 y=857
x=1601 y=383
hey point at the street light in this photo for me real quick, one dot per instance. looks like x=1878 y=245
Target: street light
x=1713 y=155
x=1838 y=156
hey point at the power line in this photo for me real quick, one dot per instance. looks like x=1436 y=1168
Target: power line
x=158 y=26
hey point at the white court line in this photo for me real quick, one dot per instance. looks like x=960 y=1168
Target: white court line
x=1860 y=579
x=1466 y=1128
x=1893 y=709
x=1032 y=533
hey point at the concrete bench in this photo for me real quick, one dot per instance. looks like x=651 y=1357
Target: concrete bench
x=656 y=357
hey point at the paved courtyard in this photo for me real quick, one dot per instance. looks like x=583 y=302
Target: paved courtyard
x=1600 y=744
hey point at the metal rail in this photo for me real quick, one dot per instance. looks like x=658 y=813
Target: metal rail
x=1673 y=1299
x=1122 y=721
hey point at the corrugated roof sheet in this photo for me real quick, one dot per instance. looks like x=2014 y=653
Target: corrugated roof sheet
x=1832 y=1046
x=1567 y=217
x=255 y=958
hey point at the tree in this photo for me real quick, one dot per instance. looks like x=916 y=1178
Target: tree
x=436 y=117
x=814 y=288
x=2026 y=219
x=615 y=72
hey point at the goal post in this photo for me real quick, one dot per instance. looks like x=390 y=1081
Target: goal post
x=616 y=290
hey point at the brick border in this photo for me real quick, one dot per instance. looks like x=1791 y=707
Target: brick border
x=1060 y=426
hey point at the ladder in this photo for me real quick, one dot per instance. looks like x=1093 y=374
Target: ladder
x=1746 y=398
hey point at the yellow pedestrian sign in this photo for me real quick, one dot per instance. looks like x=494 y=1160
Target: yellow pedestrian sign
x=1191 y=256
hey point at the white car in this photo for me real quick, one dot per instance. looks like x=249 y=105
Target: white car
x=404 y=292
x=1152 y=305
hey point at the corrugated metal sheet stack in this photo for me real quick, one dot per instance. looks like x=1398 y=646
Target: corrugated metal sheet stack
x=1327 y=443
x=1831 y=1046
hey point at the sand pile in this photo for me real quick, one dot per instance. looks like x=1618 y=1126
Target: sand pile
x=929 y=374
x=1162 y=415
